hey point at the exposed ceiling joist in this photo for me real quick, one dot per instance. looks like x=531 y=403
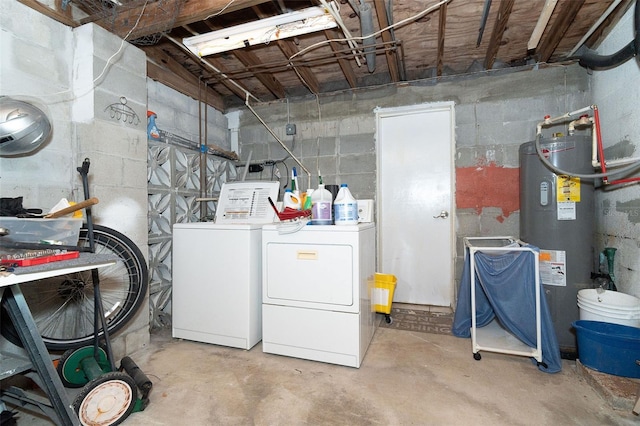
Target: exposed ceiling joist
x=306 y=75
x=58 y=15
x=391 y=53
x=163 y=68
x=566 y=16
x=421 y=47
x=441 y=32
x=506 y=6
x=542 y=23
x=345 y=65
x=249 y=59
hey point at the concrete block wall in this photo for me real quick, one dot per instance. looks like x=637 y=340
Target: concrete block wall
x=57 y=65
x=340 y=145
x=495 y=113
x=616 y=93
x=110 y=74
x=36 y=64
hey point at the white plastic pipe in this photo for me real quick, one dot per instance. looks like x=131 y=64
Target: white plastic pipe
x=630 y=163
x=563 y=117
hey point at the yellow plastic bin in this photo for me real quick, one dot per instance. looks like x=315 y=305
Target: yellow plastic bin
x=385 y=285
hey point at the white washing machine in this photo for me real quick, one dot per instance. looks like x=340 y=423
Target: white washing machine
x=217 y=269
x=317 y=285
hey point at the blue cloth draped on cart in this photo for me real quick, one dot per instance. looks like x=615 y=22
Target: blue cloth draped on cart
x=505 y=288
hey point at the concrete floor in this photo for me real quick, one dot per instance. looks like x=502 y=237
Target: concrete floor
x=407 y=378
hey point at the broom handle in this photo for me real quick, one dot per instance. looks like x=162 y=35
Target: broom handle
x=73 y=208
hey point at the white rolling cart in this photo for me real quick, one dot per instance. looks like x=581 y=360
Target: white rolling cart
x=494 y=337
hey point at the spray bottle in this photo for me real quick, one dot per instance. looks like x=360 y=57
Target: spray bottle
x=152 y=129
x=307 y=200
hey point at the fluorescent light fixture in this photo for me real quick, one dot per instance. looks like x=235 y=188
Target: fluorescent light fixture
x=262 y=31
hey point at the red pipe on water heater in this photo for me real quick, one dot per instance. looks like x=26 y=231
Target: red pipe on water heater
x=603 y=166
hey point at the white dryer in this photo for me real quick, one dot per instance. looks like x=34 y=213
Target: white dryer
x=317 y=285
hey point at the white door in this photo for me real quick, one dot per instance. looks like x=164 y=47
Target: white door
x=415 y=214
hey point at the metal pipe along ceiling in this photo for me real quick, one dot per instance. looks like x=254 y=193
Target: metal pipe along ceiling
x=366 y=24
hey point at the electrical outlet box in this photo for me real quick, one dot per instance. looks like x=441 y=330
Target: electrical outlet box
x=291 y=129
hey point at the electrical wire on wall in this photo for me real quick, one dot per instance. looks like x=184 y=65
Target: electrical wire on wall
x=286 y=174
x=213 y=15
x=96 y=81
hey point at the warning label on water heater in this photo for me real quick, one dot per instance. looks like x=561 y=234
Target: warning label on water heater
x=568 y=194
x=568 y=189
x=553 y=267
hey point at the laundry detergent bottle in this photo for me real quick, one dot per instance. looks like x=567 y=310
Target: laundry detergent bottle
x=345 y=207
x=290 y=200
x=321 y=201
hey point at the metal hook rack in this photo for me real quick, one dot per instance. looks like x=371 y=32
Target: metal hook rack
x=121 y=111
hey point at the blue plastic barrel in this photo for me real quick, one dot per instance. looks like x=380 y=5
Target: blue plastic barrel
x=609 y=348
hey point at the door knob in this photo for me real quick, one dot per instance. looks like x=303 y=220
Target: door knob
x=443 y=214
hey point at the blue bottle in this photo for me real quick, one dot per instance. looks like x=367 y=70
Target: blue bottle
x=152 y=129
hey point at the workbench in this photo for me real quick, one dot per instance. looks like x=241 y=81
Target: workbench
x=12 y=358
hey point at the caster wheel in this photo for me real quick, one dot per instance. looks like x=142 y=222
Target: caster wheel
x=388 y=319
x=477 y=356
x=106 y=400
x=70 y=370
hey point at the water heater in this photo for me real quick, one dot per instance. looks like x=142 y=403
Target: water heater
x=557 y=216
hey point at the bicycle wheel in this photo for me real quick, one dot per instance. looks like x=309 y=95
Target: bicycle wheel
x=63 y=306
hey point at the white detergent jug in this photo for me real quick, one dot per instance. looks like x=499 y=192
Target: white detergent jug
x=345 y=207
